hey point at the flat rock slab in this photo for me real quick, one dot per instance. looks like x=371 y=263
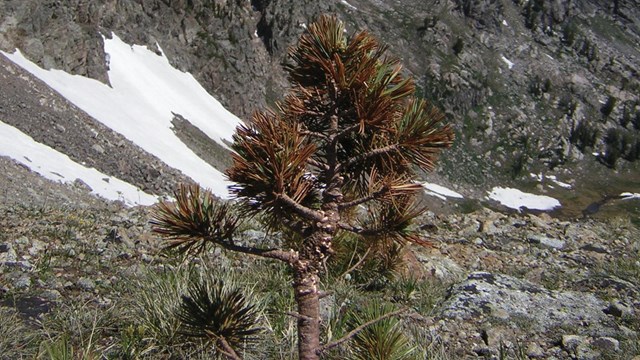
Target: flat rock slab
x=486 y=295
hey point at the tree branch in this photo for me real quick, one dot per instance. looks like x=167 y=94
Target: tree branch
x=361 y=231
x=298 y=316
x=301 y=210
x=314 y=134
x=368 y=155
x=227 y=350
x=364 y=199
x=358 y=263
x=355 y=331
x=346 y=131
x=317 y=164
x=282 y=255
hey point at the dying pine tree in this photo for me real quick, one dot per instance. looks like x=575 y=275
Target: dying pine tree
x=338 y=154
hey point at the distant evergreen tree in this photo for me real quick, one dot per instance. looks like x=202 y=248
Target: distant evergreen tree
x=458 y=46
x=607 y=107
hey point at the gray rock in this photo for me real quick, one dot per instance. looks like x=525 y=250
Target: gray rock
x=22 y=240
x=7 y=254
x=442 y=268
x=618 y=308
x=594 y=248
x=22 y=282
x=327 y=308
x=490 y=295
x=146 y=258
x=488 y=227
x=584 y=352
x=542 y=223
x=51 y=294
x=86 y=284
x=37 y=246
x=606 y=344
x=534 y=351
x=546 y=241
x=571 y=342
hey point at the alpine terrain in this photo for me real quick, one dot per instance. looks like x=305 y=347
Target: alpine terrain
x=529 y=242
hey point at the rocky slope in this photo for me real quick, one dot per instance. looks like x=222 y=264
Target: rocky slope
x=529 y=85
x=31 y=106
x=517 y=285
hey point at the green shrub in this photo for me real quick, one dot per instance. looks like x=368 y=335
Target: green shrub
x=219 y=313
x=608 y=106
x=570 y=33
x=537 y=86
x=614 y=147
x=620 y=144
x=458 y=46
x=383 y=340
x=584 y=136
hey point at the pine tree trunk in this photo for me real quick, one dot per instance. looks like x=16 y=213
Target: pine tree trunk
x=307 y=297
x=306 y=287
x=315 y=252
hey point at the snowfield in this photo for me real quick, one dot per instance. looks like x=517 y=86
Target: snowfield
x=516 y=199
x=629 y=196
x=145 y=91
x=440 y=191
x=53 y=165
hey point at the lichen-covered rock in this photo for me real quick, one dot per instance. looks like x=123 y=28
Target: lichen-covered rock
x=490 y=296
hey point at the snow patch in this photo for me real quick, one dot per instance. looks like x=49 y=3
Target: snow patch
x=516 y=199
x=507 y=61
x=553 y=178
x=344 y=2
x=440 y=191
x=56 y=166
x=145 y=92
x=629 y=196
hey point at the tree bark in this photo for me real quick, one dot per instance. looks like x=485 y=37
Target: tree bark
x=306 y=282
x=308 y=300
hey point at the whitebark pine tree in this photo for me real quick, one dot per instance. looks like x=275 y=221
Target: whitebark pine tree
x=338 y=154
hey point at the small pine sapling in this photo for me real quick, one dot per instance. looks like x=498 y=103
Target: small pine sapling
x=338 y=154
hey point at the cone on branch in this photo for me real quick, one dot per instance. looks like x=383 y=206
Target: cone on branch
x=348 y=136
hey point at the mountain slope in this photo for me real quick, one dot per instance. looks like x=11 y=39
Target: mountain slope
x=531 y=86
x=505 y=284
x=144 y=96
x=32 y=107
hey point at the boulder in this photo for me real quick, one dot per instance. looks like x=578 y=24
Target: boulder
x=490 y=296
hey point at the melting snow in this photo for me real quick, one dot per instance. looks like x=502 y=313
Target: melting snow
x=56 y=166
x=553 y=178
x=507 y=61
x=440 y=191
x=516 y=199
x=629 y=196
x=348 y=5
x=145 y=92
